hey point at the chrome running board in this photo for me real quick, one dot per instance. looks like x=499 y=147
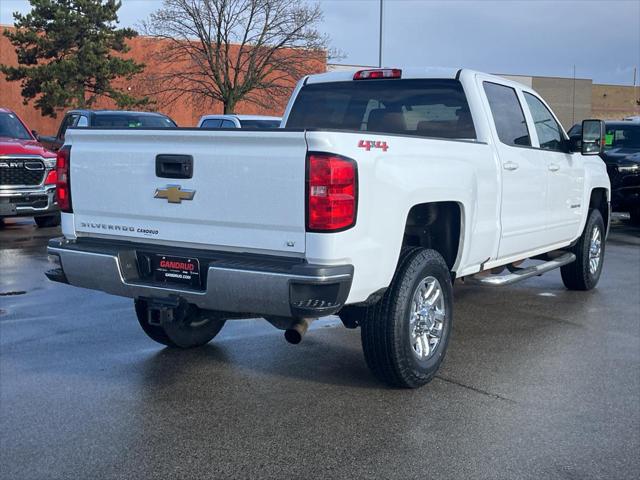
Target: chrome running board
x=521 y=273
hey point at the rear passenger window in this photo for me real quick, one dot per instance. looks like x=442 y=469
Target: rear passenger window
x=212 y=123
x=507 y=115
x=548 y=130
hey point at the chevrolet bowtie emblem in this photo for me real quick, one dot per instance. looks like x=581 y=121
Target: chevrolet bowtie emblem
x=174 y=194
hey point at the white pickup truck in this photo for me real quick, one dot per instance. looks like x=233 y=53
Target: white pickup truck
x=383 y=188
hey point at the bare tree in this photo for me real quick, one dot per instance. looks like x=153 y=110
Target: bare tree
x=231 y=50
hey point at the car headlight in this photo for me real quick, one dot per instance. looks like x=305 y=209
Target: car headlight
x=629 y=168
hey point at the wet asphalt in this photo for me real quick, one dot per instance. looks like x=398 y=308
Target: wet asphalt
x=538 y=383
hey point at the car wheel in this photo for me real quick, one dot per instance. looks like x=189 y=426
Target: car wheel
x=405 y=335
x=634 y=216
x=191 y=326
x=584 y=273
x=48 y=221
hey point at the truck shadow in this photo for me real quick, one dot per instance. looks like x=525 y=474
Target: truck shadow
x=267 y=359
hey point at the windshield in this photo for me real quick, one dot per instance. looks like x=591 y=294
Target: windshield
x=133 y=121
x=259 y=123
x=622 y=136
x=11 y=127
x=425 y=108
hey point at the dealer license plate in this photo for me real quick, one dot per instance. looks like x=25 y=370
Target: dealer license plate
x=178 y=270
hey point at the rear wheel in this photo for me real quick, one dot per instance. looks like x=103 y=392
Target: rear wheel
x=48 y=221
x=584 y=273
x=634 y=216
x=190 y=327
x=405 y=335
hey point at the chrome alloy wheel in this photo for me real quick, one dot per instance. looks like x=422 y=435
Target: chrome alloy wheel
x=595 y=250
x=427 y=316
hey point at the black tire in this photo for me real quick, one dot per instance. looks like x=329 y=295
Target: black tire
x=634 y=216
x=385 y=332
x=48 y=221
x=578 y=275
x=192 y=326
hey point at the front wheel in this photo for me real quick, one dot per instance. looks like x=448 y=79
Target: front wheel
x=190 y=327
x=405 y=335
x=584 y=273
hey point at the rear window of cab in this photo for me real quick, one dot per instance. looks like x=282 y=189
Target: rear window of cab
x=419 y=107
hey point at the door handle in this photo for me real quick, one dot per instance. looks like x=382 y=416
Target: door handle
x=510 y=166
x=554 y=168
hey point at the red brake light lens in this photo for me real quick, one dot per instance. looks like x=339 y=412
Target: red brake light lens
x=63 y=185
x=377 y=74
x=331 y=192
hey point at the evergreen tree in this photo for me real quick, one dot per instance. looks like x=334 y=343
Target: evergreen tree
x=69 y=54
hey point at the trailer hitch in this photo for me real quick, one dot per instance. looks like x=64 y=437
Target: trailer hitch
x=161 y=311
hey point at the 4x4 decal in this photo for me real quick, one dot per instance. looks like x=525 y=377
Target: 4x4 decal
x=369 y=144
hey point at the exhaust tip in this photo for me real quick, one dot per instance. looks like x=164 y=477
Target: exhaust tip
x=296 y=332
x=293 y=336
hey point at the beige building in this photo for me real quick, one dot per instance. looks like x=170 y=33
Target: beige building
x=571 y=100
x=615 y=101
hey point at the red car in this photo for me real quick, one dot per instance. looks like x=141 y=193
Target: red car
x=27 y=174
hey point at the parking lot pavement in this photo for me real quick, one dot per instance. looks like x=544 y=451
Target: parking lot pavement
x=539 y=382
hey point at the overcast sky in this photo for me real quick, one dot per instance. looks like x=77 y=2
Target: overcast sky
x=534 y=37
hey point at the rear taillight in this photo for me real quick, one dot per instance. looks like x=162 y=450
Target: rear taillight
x=377 y=74
x=332 y=195
x=52 y=178
x=63 y=185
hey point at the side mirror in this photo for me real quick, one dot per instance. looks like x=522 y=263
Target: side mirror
x=593 y=137
x=35 y=134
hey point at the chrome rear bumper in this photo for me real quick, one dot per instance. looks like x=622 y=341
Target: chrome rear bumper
x=247 y=284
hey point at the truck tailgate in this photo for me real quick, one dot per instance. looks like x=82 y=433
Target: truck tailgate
x=249 y=188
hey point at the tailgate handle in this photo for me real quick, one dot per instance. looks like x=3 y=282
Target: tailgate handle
x=174 y=166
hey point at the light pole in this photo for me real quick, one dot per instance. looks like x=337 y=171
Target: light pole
x=380 y=38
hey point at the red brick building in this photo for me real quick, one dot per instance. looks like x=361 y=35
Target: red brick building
x=185 y=112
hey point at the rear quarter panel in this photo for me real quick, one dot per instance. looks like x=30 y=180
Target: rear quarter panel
x=412 y=171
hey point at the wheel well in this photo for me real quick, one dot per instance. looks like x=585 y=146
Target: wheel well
x=435 y=226
x=598 y=201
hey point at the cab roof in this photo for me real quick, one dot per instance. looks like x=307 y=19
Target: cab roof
x=411 y=72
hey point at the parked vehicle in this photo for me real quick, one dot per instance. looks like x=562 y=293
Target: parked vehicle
x=106 y=119
x=27 y=174
x=622 y=156
x=384 y=187
x=238 y=121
